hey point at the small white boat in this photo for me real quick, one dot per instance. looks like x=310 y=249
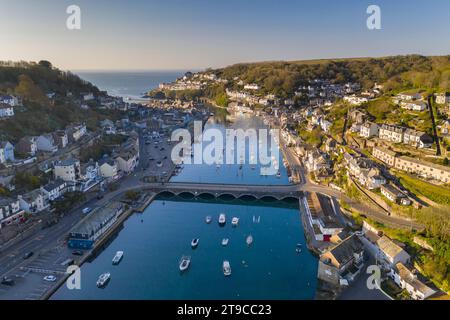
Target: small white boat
x=225 y=241
x=278 y=174
x=249 y=240
x=226 y=268
x=117 y=258
x=185 y=263
x=208 y=219
x=235 y=221
x=103 y=279
x=222 y=219
x=194 y=243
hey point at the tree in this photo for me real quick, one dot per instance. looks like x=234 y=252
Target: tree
x=28 y=90
x=445 y=162
x=45 y=64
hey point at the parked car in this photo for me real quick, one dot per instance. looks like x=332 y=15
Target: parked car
x=28 y=255
x=87 y=210
x=77 y=252
x=50 y=278
x=7 y=281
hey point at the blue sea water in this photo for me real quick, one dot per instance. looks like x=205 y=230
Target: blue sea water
x=131 y=84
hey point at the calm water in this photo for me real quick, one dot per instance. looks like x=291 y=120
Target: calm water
x=128 y=84
x=233 y=174
x=155 y=240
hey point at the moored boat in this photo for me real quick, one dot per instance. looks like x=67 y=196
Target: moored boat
x=208 y=219
x=194 y=243
x=117 y=258
x=103 y=279
x=222 y=219
x=235 y=221
x=226 y=268
x=225 y=241
x=185 y=263
x=249 y=240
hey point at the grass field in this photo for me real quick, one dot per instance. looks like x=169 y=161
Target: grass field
x=438 y=194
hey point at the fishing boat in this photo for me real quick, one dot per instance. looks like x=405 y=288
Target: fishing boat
x=235 y=221
x=249 y=240
x=222 y=219
x=117 y=258
x=185 y=263
x=226 y=268
x=103 y=279
x=194 y=243
x=225 y=242
x=208 y=219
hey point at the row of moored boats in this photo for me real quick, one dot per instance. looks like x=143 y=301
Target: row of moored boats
x=104 y=278
x=185 y=261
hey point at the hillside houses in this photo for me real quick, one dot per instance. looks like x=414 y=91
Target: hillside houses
x=347 y=257
x=6 y=111
x=10 y=211
x=27 y=145
x=427 y=170
x=10 y=100
x=46 y=143
x=6 y=152
x=410 y=280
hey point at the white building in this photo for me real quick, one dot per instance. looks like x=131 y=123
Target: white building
x=109 y=169
x=10 y=211
x=67 y=170
x=408 y=279
x=46 y=143
x=6 y=152
x=413 y=105
x=391 y=133
x=391 y=252
x=369 y=129
x=33 y=202
x=6 y=111
x=443 y=98
x=56 y=189
x=251 y=86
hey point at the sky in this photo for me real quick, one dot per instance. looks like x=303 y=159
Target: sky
x=197 y=34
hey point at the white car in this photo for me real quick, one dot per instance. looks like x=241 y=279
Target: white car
x=50 y=278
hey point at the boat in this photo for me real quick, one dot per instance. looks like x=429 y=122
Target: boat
x=117 y=258
x=208 y=219
x=103 y=279
x=235 y=221
x=222 y=219
x=226 y=268
x=225 y=241
x=278 y=174
x=249 y=240
x=185 y=263
x=194 y=243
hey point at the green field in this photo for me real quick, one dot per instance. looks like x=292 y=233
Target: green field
x=438 y=194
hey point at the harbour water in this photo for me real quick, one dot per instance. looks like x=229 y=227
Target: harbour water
x=155 y=240
x=235 y=173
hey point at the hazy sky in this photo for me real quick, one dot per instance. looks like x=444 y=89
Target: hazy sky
x=183 y=34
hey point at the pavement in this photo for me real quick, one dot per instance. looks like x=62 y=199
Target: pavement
x=358 y=289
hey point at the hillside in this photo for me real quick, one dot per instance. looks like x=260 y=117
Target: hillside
x=40 y=114
x=396 y=73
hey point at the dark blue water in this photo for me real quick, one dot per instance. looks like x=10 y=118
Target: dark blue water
x=127 y=83
x=269 y=269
